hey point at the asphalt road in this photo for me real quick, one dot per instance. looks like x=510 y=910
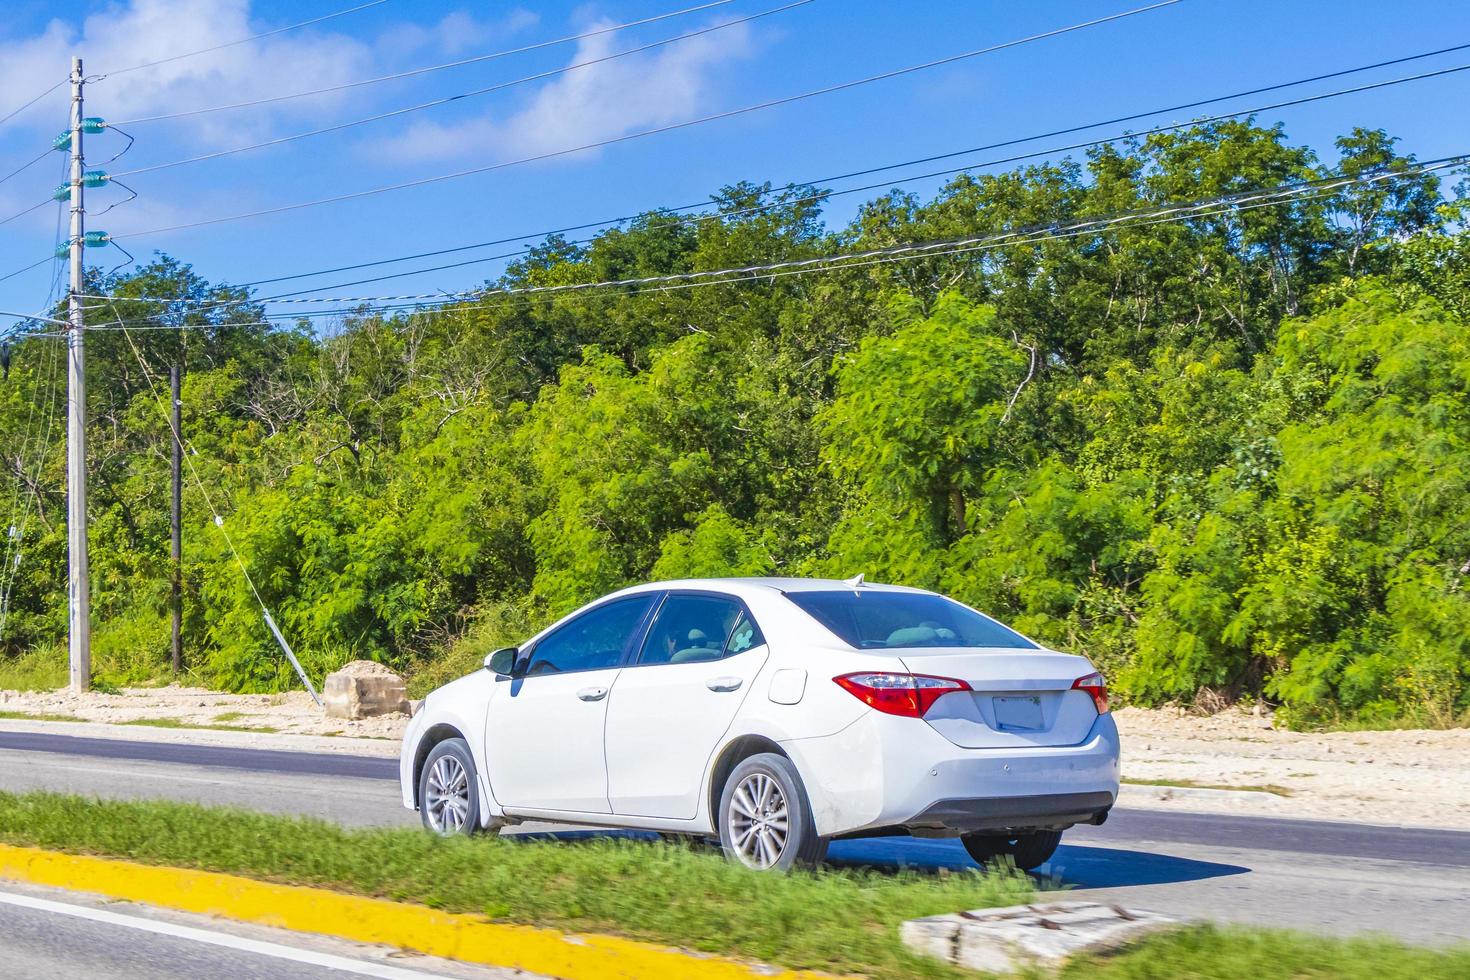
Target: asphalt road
x=46 y=933
x=1331 y=877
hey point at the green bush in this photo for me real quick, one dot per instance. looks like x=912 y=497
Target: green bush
x=1229 y=454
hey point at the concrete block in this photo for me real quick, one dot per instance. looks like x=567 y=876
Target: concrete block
x=364 y=689
x=1012 y=939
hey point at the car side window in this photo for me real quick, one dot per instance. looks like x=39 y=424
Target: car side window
x=745 y=636
x=594 y=640
x=692 y=628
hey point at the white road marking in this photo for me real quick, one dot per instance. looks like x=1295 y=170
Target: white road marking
x=342 y=963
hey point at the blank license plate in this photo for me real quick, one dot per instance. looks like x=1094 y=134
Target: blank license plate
x=1018 y=712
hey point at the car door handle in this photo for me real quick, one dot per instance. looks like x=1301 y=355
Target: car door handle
x=724 y=683
x=592 y=693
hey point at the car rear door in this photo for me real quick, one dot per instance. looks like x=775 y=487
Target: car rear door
x=543 y=733
x=670 y=708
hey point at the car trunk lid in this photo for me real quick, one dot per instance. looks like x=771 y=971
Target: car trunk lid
x=1018 y=698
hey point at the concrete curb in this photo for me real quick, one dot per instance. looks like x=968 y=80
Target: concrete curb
x=469 y=938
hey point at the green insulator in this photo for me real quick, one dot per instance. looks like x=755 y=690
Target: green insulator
x=92 y=124
x=92 y=178
x=92 y=239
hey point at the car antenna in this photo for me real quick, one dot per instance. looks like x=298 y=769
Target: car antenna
x=855 y=582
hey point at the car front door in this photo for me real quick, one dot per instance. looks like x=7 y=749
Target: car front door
x=543 y=733
x=669 y=709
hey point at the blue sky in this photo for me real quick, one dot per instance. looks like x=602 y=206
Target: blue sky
x=1195 y=49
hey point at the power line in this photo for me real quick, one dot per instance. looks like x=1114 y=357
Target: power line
x=11 y=570
x=1012 y=240
x=1176 y=211
x=21 y=214
x=1332 y=183
x=657 y=130
x=28 y=165
x=53 y=294
x=824 y=195
x=827 y=195
x=462 y=95
x=11 y=526
x=28 y=268
x=15 y=112
x=858 y=173
x=243 y=40
x=431 y=68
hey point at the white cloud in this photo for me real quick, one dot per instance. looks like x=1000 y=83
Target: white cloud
x=584 y=105
x=139 y=31
x=459 y=32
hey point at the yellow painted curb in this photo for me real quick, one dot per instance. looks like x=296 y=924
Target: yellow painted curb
x=471 y=938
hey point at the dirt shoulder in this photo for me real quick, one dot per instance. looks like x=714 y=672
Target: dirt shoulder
x=1413 y=778
x=1171 y=760
x=293 y=713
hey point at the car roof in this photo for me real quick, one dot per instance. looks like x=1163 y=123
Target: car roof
x=783 y=585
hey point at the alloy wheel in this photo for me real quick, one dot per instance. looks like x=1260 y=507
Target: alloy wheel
x=759 y=821
x=447 y=796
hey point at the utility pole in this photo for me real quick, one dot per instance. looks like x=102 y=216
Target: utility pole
x=176 y=546
x=78 y=585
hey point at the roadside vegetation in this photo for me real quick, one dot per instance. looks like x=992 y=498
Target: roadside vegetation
x=43 y=716
x=840 y=920
x=1220 y=953
x=214 y=726
x=1271 y=788
x=1226 y=457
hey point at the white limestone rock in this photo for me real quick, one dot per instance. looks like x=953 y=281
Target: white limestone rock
x=1011 y=939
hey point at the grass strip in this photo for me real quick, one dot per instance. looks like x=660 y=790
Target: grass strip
x=42 y=716
x=1271 y=788
x=1237 y=953
x=199 y=726
x=840 y=920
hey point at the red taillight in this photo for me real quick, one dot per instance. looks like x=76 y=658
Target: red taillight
x=908 y=695
x=1097 y=688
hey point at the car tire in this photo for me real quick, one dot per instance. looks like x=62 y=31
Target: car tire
x=1033 y=850
x=449 y=793
x=765 y=818
x=985 y=848
x=1026 y=851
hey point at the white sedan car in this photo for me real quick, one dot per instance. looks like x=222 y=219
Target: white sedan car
x=776 y=715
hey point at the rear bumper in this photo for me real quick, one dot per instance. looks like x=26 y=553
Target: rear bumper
x=1052 y=811
x=884 y=774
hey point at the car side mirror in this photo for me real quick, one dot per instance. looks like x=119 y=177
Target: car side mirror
x=502 y=661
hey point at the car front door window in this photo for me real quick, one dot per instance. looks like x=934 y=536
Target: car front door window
x=593 y=641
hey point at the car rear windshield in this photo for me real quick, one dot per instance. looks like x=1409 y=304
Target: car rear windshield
x=872 y=619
